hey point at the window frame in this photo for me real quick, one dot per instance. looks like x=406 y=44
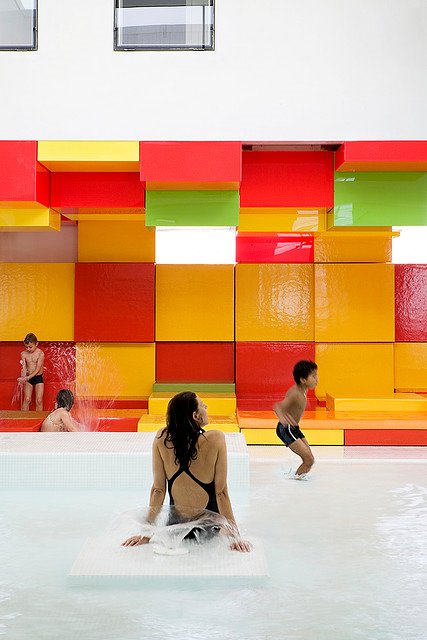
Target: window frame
x=35 y=34
x=116 y=47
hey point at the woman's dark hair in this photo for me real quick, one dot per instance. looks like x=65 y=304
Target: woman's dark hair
x=64 y=399
x=182 y=431
x=302 y=369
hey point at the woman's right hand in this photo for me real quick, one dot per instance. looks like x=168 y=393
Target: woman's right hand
x=134 y=541
x=241 y=545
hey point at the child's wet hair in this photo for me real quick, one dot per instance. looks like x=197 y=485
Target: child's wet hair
x=30 y=338
x=302 y=369
x=64 y=399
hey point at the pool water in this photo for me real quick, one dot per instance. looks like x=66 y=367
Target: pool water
x=346 y=553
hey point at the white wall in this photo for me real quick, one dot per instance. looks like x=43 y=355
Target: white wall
x=283 y=70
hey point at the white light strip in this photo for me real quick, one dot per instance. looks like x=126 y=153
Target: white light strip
x=195 y=245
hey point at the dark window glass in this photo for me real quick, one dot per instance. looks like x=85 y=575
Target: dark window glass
x=164 y=24
x=18 y=25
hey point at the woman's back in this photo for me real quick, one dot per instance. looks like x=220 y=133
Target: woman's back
x=192 y=483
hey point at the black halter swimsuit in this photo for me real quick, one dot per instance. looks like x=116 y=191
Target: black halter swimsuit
x=209 y=487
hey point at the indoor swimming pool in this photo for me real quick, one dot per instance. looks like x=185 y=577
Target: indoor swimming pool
x=345 y=553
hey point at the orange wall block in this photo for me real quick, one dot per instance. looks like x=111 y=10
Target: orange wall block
x=352 y=247
x=114 y=369
x=410 y=366
x=115 y=241
x=37 y=298
x=355 y=370
x=354 y=303
x=274 y=302
x=195 y=303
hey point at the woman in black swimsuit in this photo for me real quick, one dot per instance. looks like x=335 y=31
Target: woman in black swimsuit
x=191 y=463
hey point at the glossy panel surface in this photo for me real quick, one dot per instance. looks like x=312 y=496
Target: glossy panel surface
x=76 y=190
x=382 y=437
x=195 y=303
x=274 y=248
x=371 y=199
x=384 y=155
x=274 y=302
x=115 y=370
x=192 y=208
x=354 y=302
x=334 y=246
x=22 y=179
x=115 y=241
x=411 y=302
x=318 y=437
x=79 y=155
x=200 y=162
x=264 y=369
x=281 y=220
x=287 y=179
x=34 y=219
x=410 y=366
x=218 y=404
x=195 y=362
x=40 y=299
x=355 y=370
x=114 y=302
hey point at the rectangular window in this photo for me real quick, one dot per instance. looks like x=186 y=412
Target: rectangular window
x=195 y=245
x=18 y=25
x=164 y=24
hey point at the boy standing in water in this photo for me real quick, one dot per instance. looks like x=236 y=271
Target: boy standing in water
x=290 y=412
x=32 y=360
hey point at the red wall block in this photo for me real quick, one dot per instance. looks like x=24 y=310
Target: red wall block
x=385 y=155
x=287 y=179
x=410 y=302
x=191 y=161
x=114 y=302
x=96 y=190
x=118 y=424
x=195 y=362
x=22 y=178
x=386 y=437
x=11 y=426
x=278 y=247
x=59 y=372
x=264 y=369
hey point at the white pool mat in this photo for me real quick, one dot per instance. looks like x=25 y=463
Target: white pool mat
x=104 y=556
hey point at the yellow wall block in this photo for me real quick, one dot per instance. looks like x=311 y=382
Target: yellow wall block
x=37 y=298
x=410 y=366
x=114 y=370
x=34 y=219
x=355 y=370
x=274 y=302
x=352 y=247
x=226 y=424
x=78 y=155
x=401 y=402
x=217 y=403
x=314 y=436
x=115 y=241
x=281 y=220
x=354 y=302
x=195 y=302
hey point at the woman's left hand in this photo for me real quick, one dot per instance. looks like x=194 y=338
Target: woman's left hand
x=134 y=541
x=241 y=545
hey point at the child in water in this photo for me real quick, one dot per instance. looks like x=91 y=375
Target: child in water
x=60 y=419
x=32 y=360
x=290 y=412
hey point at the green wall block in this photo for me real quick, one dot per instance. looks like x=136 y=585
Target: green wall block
x=192 y=208
x=365 y=199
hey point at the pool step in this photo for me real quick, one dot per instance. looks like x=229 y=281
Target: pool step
x=398 y=402
x=226 y=424
x=219 y=404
